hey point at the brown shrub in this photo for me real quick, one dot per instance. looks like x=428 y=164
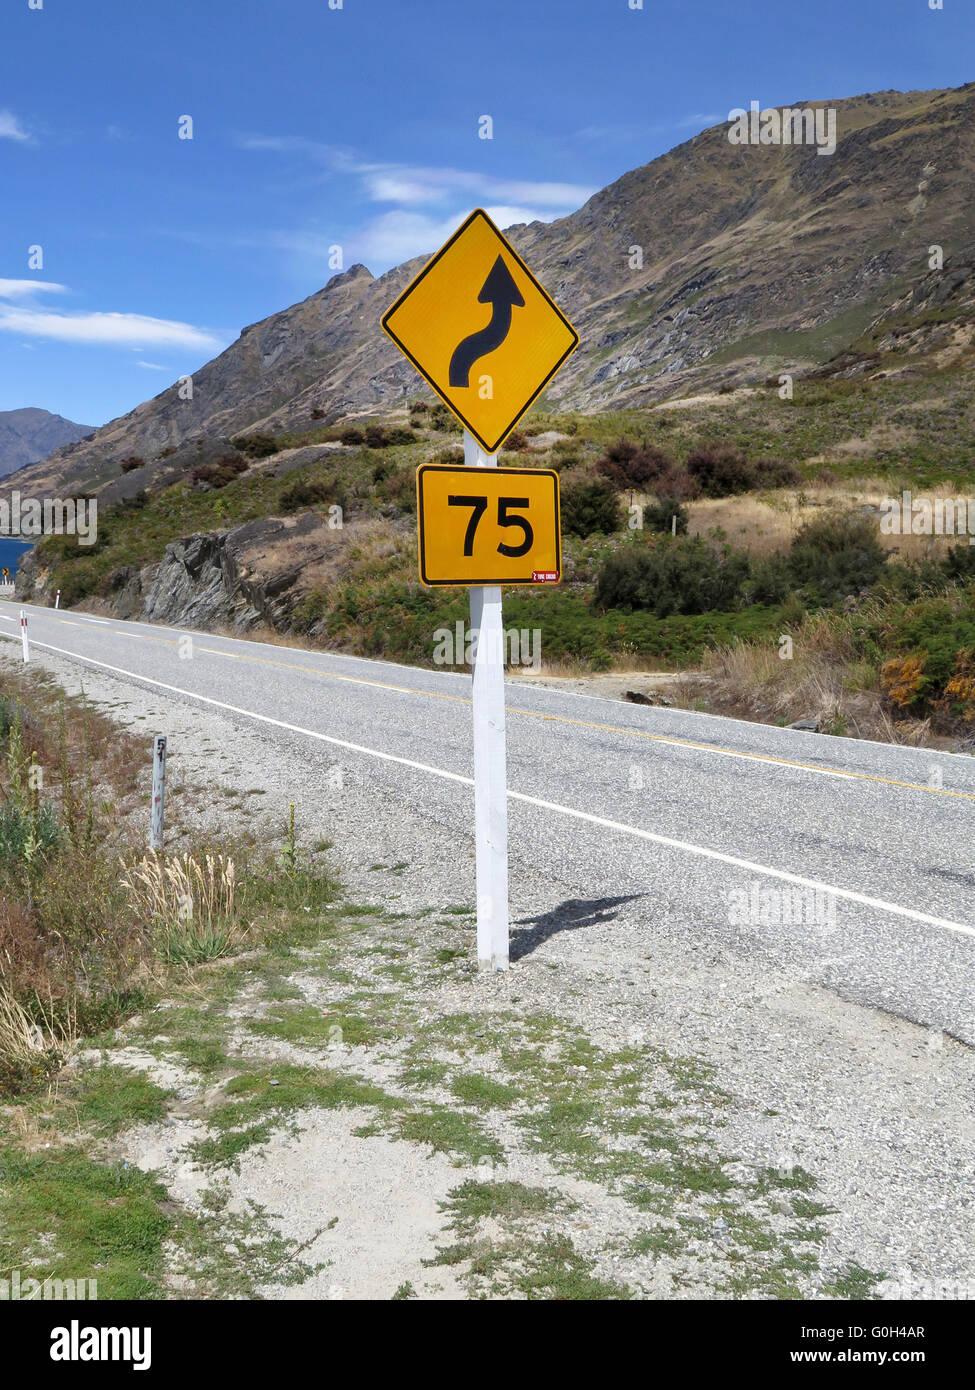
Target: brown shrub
x=901 y=679
x=721 y=470
x=961 y=686
x=638 y=469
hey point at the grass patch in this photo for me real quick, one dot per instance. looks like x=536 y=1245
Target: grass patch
x=307 y=1024
x=500 y=1201
x=483 y=1092
x=450 y=1132
x=66 y=1216
x=854 y=1282
x=107 y=1099
x=257 y=1102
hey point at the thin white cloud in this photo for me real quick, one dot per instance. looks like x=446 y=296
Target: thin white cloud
x=106 y=329
x=152 y=367
x=11 y=128
x=425 y=205
x=398 y=236
x=20 y=289
x=336 y=157
x=423 y=187
x=408 y=185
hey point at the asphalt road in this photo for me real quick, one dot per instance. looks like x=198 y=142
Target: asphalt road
x=847 y=862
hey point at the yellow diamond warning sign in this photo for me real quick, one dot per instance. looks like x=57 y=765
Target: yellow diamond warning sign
x=479 y=327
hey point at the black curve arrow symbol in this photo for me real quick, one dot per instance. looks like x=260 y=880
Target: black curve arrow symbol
x=501 y=292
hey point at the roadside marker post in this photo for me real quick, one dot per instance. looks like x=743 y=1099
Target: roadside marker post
x=57 y=599
x=23 y=635
x=488 y=338
x=157 y=820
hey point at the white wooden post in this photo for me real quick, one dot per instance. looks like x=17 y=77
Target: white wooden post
x=23 y=634
x=57 y=599
x=158 y=792
x=490 y=759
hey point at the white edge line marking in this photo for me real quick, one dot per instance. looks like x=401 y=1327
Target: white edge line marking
x=683 y=846
x=514 y=682
x=672 y=740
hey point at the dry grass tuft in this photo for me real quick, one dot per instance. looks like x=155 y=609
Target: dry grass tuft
x=190 y=907
x=33 y=1044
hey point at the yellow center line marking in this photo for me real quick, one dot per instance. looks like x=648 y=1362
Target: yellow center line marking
x=555 y=718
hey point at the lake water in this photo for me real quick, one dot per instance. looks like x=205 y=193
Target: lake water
x=10 y=554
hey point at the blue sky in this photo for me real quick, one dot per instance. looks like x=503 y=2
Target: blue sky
x=357 y=127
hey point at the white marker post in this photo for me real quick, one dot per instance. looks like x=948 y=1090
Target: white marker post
x=490 y=759
x=57 y=598
x=23 y=635
x=158 y=792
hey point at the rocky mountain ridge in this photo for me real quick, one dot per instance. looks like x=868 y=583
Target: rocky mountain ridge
x=714 y=264
x=31 y=434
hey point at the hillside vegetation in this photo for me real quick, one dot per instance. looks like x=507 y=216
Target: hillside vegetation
x=736 y=518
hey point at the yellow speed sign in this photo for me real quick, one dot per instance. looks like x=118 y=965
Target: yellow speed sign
x=488 y=525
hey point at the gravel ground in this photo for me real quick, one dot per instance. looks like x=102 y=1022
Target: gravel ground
x=878 y=1108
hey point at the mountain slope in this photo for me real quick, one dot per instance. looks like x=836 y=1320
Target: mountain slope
x=31 y=434
x=754 y=260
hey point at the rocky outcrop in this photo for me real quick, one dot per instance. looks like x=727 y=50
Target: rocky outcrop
x=236 y=578
x=241 y=578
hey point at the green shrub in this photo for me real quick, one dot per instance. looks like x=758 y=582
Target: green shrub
x=76 y=582
x=770 y=582
x=939 y=628
x=590 y=505
x=564 y=460
x=24 y=833
x=837 y=555
x=398 y=487
x=672 y=576
x=959 y=564
x=136 y=503
x=660 y=517
x=305 y=493
x=257 y=446
x=443 y=419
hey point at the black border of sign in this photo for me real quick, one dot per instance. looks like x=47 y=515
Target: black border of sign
x=384 y=321
x=494 y=473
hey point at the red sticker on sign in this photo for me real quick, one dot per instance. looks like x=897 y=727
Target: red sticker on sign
x=545 y=576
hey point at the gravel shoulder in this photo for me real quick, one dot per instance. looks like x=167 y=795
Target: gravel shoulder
x=631 y=1110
